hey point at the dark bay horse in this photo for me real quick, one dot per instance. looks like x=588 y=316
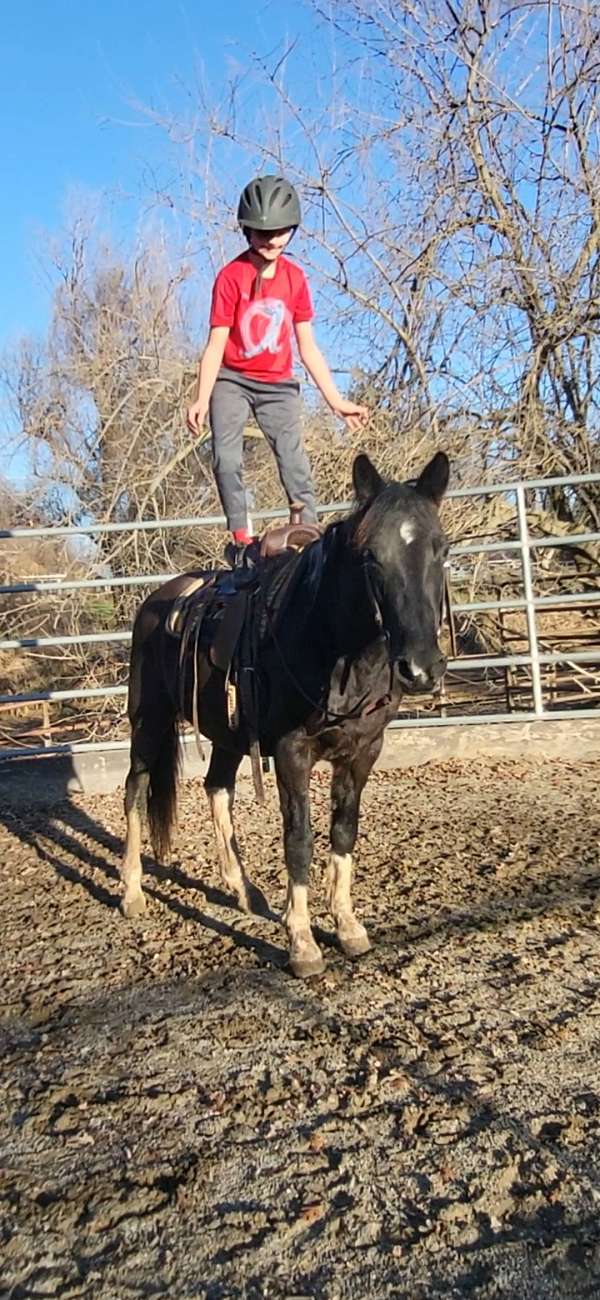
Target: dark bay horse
x=356 y=627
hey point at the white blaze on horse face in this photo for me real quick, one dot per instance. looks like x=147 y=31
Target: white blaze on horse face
x=408 y=532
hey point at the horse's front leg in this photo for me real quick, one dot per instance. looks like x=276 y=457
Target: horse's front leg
x=293 y=763
x=346 y=789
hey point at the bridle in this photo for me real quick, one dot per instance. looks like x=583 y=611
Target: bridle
x=376 y=604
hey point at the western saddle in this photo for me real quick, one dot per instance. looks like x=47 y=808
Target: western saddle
x=290 y=536
x=214 y=610
x=293 y=536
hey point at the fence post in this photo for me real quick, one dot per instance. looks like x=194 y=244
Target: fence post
x=536 y=681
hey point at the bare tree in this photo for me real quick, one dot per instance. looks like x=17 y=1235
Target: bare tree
x=448 y=157
x=101 y=403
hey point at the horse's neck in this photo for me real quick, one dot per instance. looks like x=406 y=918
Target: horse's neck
x=325 y=638
x=342 y=618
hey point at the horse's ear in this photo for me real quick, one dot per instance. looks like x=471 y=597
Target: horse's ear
x=433 y=481
x=368 y=483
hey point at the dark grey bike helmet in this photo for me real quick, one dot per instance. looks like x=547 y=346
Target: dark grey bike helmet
x=269 y=203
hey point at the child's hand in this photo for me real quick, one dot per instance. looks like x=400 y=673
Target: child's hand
x=355 y=416
x=196 y=416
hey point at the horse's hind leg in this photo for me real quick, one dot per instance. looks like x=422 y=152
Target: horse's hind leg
x=151 y=783
x=133 y=902
x=219 y=784
x=293 y=762
x=346 y=789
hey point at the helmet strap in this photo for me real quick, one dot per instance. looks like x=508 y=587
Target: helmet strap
x=257 y=286
x=263 y=261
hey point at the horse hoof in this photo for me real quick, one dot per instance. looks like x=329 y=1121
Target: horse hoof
x=132 y=907
x=306 y=968
x=355 y=945
x=306 y=959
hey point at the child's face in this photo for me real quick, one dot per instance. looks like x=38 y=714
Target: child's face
x=270 y=243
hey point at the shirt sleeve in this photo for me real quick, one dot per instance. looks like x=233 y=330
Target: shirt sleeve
x=224 y=300
x=303 y=308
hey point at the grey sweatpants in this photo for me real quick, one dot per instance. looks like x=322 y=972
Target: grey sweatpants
x=277 y=411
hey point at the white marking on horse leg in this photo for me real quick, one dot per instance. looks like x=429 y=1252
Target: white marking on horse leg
x=352 y=935
x=133 y=902
x=232 y=871
x=306 y=958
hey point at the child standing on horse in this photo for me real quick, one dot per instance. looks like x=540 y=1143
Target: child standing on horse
x=258 y=300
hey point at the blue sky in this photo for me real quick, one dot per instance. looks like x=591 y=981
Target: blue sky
x=71 y=74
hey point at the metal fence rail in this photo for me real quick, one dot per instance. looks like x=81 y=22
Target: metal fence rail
x=199 y=521
x=524 y=545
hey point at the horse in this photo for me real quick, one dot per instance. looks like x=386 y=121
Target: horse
x=342 y=630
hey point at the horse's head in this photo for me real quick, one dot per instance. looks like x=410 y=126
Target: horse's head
x=403 y=550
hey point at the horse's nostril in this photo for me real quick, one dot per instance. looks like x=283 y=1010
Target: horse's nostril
x=411 y=671
x=423 y=677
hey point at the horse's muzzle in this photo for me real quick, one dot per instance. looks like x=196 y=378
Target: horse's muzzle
x=418 y=677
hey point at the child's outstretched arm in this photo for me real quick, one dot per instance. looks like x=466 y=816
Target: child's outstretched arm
x=210 y=363
x=314 y=361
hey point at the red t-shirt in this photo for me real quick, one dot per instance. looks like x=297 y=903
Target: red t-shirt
x=260 y=318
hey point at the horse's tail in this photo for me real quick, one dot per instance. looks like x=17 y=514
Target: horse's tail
x=162 y=790
x=155 y=736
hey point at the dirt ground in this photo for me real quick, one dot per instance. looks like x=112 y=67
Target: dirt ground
x=180 y=1117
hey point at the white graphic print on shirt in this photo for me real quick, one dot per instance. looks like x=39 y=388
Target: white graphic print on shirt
x=274 y=315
